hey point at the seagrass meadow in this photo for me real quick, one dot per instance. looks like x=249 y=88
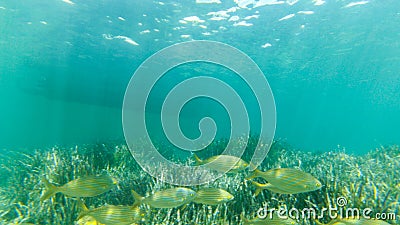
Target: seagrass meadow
x=366 y=181
x=83 y=82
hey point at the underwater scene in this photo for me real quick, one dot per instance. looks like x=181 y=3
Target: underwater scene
x=207 y=112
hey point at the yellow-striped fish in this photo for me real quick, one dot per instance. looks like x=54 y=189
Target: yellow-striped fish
x=269 y=221
x=212 y=196
x=112 y=214
x=267 y=186
x=288 y=180
x=88 y=220
x=88 y=186
x=169 y=198
x=361 y=221
x=223 y=163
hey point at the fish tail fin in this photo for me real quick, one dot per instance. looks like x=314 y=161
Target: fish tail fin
x=138 y=198
x=51 y=189
x=251 y=175
x=259 y=188
x=82 y=205
x=84 y=208
x=255 y=173
x=197 y=159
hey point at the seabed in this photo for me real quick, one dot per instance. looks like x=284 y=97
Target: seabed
x=368 y=181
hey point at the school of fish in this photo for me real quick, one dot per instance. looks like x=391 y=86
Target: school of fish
x=278 y=180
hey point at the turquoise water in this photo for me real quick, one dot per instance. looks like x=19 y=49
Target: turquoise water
x=333 y=67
